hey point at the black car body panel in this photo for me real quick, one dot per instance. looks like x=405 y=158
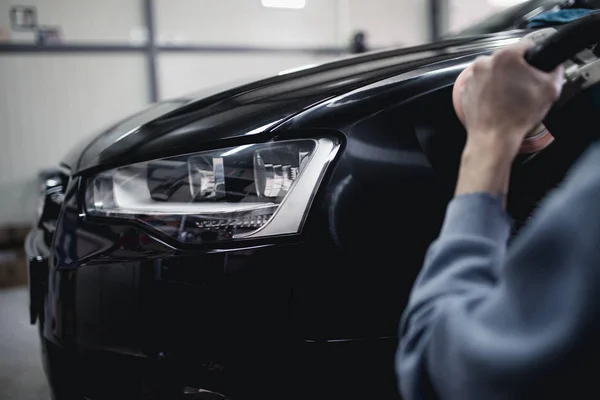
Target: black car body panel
x=189 y=123
x=310 y=315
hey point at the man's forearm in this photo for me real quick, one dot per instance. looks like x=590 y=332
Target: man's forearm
x=463 y=262
x=483 y=170
x=543 y=293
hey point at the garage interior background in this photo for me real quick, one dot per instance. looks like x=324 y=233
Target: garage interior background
x=114 y=57
x=107 y=65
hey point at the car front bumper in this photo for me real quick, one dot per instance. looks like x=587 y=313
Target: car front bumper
x=256 y=322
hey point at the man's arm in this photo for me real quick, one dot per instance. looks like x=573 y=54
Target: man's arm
x=479 y=326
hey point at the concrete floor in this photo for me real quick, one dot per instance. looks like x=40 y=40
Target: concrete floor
x=21 y=373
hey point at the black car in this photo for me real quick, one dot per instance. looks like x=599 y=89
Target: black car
x=261 y=241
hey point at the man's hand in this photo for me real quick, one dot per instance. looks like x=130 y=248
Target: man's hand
x=503 y=99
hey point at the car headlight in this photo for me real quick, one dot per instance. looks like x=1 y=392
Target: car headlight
x=247 y=191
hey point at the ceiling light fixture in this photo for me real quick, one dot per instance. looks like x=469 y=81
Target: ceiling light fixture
x=294 y=4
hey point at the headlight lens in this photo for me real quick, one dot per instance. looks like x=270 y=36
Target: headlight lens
x=246 y=191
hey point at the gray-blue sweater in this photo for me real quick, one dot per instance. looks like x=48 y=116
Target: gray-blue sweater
x=484 y=322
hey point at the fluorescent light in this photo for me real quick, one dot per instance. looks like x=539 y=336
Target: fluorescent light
x=505 y=3
x=295 y=4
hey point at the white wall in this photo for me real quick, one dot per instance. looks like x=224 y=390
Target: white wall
x=323 y=23
x=107 y=21
x=183 y=73
x=389 y=22
x=48 y=102
x=237 y=23
x=244 y=22
x=468 y=12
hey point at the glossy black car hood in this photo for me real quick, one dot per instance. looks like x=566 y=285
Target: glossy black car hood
x=191 y=123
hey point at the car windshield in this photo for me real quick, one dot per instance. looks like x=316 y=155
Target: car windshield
x=513 y=17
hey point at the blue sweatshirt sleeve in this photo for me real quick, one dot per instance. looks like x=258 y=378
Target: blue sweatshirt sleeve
x=484 y=323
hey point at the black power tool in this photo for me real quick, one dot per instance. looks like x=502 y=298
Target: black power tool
x=574 y=116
